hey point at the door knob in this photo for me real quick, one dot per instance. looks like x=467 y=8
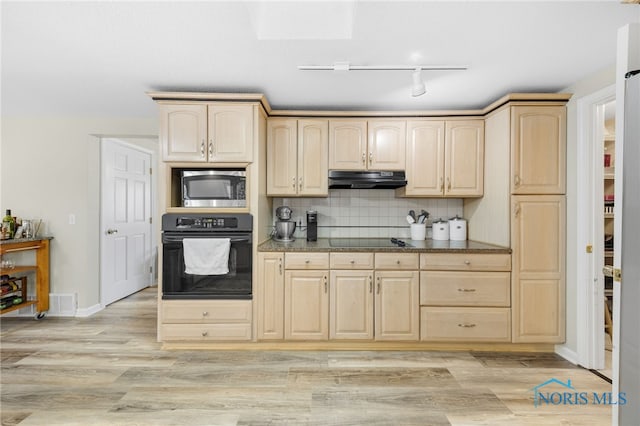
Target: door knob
x=112 y=231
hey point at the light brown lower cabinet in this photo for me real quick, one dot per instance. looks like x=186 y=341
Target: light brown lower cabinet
x=538 y=240
x=452 y=324
x=270 y=296
x=465 y=297
x=397 y=316
x=306 y=305
x=215 y=320
x=351 y=305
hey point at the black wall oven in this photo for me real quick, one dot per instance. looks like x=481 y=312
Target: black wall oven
x=235 y=284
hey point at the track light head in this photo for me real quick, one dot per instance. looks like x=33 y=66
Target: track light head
x=418 y=88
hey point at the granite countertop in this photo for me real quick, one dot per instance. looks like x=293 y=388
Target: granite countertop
x=426 y=246
x=25 y=240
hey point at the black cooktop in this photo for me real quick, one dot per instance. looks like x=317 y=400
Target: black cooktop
x=367 y=242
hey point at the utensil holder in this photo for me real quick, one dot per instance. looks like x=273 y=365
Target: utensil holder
x=418 y=231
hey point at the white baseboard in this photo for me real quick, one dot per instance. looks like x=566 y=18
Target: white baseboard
x=566 y=353
x=87 y=312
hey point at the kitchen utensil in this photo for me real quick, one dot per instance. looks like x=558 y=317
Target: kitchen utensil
x=413 y=215
x=457 y=229
x=425 y=214
x=410 y=219
x=440 y=230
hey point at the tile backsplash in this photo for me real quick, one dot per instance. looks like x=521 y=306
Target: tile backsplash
x=365 y=213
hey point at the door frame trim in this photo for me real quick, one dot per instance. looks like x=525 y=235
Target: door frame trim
x=590 y=228
x=126 y=142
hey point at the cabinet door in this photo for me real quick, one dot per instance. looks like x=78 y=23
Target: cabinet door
x=538 y=275
x=425 y=158
x=351 y=306
x=230 y=132
x=397 y=305
x=270 y=292
x=306 y=305
x=347 y=144
x=387 y=144
x=464 y=158
x=282 y=175
x=183 y=132
x=313 y=157
x=538 y=136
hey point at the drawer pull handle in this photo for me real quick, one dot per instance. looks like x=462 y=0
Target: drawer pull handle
x=378 y=286
x=370 y=284
x=205 y=313
x=466 y=325
x=205 y=333
x=467 y=290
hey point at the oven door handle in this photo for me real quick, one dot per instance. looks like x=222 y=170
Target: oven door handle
x=176 y=239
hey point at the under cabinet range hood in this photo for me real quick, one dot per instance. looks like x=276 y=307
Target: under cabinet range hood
x=366 y=179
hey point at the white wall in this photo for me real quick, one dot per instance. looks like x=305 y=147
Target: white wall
x=49 y=169
x=587 y=86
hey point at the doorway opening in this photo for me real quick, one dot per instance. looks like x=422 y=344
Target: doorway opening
x=596 y=136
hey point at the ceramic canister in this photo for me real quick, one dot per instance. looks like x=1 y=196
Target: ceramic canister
x=457 y=229
x=440 y=230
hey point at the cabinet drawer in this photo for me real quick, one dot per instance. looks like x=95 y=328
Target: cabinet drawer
x=457 y=288
x=351 y=260
x=465 y=324
x=206 y=332
x=306 y=260
x=210 y=311
x=396 y=261
x=465 y=262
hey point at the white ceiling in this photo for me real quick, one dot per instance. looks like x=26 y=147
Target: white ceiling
x=99 y=58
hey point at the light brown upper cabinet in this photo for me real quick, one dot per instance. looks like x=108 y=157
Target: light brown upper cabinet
x=213 y=132
x=538 y=163
x=444 y=158
x=367 y=144
x=297 y=157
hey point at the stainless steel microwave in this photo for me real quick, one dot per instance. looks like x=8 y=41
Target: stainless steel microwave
x=214 y=188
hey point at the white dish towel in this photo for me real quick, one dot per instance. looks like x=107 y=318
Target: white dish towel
x=206 y=256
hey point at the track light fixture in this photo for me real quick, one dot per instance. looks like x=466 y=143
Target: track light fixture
x=418 y=86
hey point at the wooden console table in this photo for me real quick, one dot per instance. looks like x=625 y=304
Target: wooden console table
x=41 y=270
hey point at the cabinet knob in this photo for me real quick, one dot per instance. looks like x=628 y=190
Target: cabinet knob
x=352 y=261
x=205 y=313
x=467 y=262
x=307 y=261
x=397 y=262
x=205 y=333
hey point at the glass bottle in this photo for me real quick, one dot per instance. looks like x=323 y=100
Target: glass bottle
x=9 y=224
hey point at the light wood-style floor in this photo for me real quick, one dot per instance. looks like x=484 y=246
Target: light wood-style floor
x=109 y=370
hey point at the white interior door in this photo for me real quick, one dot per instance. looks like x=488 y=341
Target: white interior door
x=125 y=220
